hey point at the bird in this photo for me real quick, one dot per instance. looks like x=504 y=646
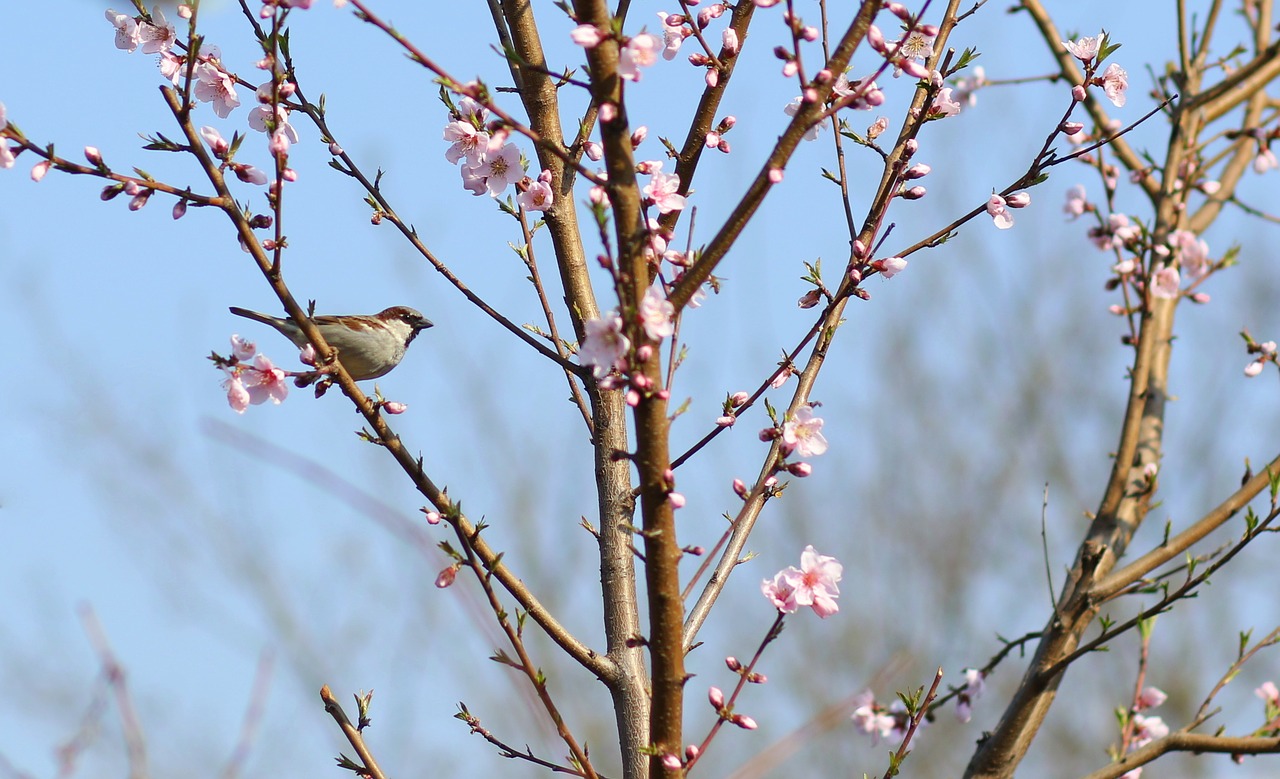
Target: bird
x=369 y=346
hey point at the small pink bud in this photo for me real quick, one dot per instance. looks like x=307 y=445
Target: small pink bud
x=139 y=200
x=732 y=663
x=1078 y=93
x=1253 y=369
x=810 y=34
x=730 y=39
x=42 y=167
x=756 y=678
x=289 y=174
x=288 y=88
x=644 y=353
x=716 y=697
x=447 y=576
x=723 y=146
x=638 y=136
x=110 y=192
x=92 y=154
x=1116 y=309
x=712 y=140
x=740 y=488
x=914 y=69
x=633 y=398
x=914 y=193
x=810 y=95
x=433 y=517
x=594 y=151
x=918 y=171
x=179 y=209
x=696 y=551
x=859 y=249
x=728 y=122
x=744 y=722
x=1199 y=297
x=800 y=470
x=771 y=482
x=184 y=11
x=394 y=407
x=677 y=500
x=691 y=752
x=132 y=188
x=1018 y=200
x=861 y=293
x=307 y=355
x=671 y=762
x=810 y=299
x=768 y=434
x=876 y=39
x=899 y=10
x=855 y=275
x=608 y=112
x=775 y=175
x=738 y=398
x=726 y=421
x=1071 y=128
x=911 y=147
x=335 y=149
x=712 y=78
x=699 y=60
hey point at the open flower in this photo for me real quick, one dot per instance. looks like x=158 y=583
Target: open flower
x=605 y=347
x=803 y=433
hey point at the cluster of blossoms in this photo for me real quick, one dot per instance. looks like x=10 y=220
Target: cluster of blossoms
x=488 y=163
x=813 y=584
x=606 y=346
x=678 y=27
x=1114 y=80
x=638 y=51
x=1264 y=352
x=1140 y=729
x=881 y=722
x=251 y=378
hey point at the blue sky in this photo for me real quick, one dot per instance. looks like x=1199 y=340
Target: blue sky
x=203 y=539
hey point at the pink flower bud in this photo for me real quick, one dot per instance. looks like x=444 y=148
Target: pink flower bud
x=775 y=175
x=756 y=678
x=859 y=249
x=179 y=209
x=644 y=353
x=810 y=34
x=433 y=517
x=289 y=174
x=730 y=39
x=914 y=193
x=638 y=136
x=723 y=146
x=744 y=722
x=732 y=663
x=92 y=154
x=726 y=421
x=790 y=69
x=633 y=398
x=110 y=192
x=1078 y=93
x=716 y=697
x=1199 y=297
x=608 y=112
x=855 y=275
x=914 y=69
x=918 y=171
x=307 y=356
x=139 y=200
x=1071 y=128
x=911 y=147
x=740 y=488
x=728 y=122
x=738 y=398
x=699 y=60
x=676 y=499
x=800 y=470
x=899 y=10
x=42 y=167
x=769 y=433
x=447 y=576
x=810 y=299
x=394 y=407
x=712 y=78
x=691 y=752
x=671 y=762
x=712 y=140
x=1018 y=200
x=876 y=39
x=184 y=11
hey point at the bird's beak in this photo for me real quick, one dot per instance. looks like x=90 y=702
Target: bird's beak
x=424 y=324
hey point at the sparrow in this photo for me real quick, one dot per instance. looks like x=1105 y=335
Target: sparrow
x=368 y=346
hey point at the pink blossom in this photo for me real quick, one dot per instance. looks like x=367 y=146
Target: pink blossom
x=671 y=762
x=1084 y=49
x=943 y=104
x=673 y=35
x=877 y=127
x=813 y=584
x=1192 y=253
x=265 y=382
x=249 y=174
x=214 y=85
x=730 y=39
x=1114 y=82
x=1150 y=697
x=237 y=395
x=1268 y=693
x=500 y=166
x=587 y=36
x=39 y=169
x=242 y=348
x=1018 y=200
x=1079 y=93
x=996 y=207
x=676 y=499
x=967 y=87
x=1146 y=730
x=538 y=197
x=803 y=433
x=1251 y=370
x=766 y=3
x=1076 y=204
x=593 y=150
x=217 y=144
x=127 y=35
x=605 y=347
x=640 y=51
x=395 y=407
x=1166 y=283
x=1265 y=161
x=890 y=266
x=793 y=108
x=662 y=191
x=775 y=175
x=656 y=314
x=159 y=36
x=465 y=141
x=447 y=577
